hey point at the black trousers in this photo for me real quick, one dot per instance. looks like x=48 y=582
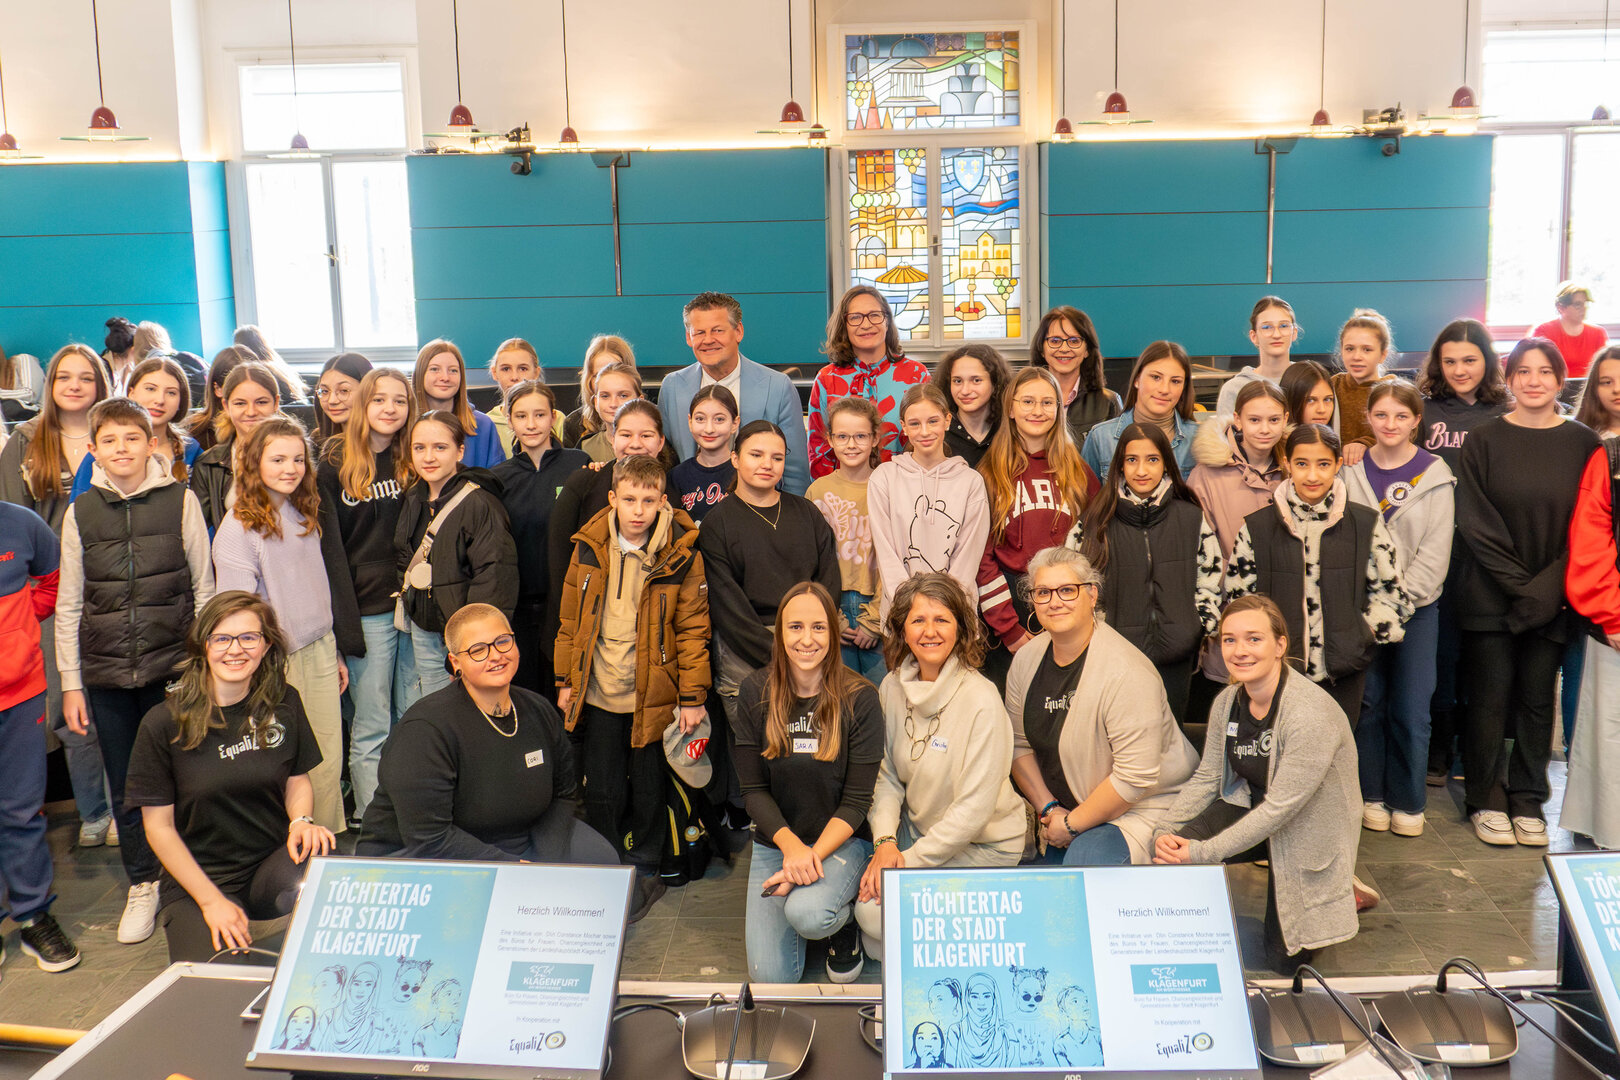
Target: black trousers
x=1346 y=693
x=1217 y=817
x=1177 y=679
x=1514 y=679
x=269 y=894
x=624 y=787
x=534 y=652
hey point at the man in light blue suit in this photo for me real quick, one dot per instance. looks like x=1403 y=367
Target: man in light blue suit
x=714 y=330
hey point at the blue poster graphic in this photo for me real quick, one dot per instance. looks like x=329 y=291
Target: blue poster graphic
x=1597 y=883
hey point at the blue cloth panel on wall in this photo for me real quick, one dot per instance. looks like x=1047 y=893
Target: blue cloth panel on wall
x=1168 y=239
x=145 y=240
x=498 y=255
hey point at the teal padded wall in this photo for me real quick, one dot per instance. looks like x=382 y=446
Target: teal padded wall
x=1168 y=239
x=498 y=255
x=80 y=243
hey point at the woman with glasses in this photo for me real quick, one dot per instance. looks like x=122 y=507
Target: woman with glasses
x=864 y=359
x=1066 y=344
x=1096 y=749
x=942 y=796
x=481 y=769
x=335 y=394
x=1273 y=330
x=220 y=771
x=1161 y=393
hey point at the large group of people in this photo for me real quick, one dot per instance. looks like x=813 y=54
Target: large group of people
x=973 y=616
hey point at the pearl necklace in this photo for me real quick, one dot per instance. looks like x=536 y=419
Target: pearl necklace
x=502 y=715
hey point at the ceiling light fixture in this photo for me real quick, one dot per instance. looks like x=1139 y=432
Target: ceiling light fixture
x=1115 y=111
x=1600 y=115
x=1464 y=102
x=569 y=139
x=1063 y=131
x=103 y=124
x=461 y=124
x=9 y=150
x=1321 y=125
x=299 y=147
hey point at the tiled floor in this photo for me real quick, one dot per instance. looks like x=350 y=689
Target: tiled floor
x=1445 y=894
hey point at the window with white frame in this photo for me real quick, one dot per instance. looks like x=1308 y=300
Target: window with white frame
x=1553 y=214
x=934 y=137
x=329 y=239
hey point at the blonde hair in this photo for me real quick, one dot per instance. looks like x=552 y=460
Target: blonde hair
x=601 y=343
x=350 y=449
x=460 y=406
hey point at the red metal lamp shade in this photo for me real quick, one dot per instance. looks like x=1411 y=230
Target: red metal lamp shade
x=1464 y=99
x=103 y=120
x=460 y=117
x=569 y=137
x=792 y=114
x=1115 y=110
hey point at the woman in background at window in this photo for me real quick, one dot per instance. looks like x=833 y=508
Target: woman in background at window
x=250 y=399
x=1066 y=344
x=293 y=391
x=335 y=393
x=1577 y=340
x=974 y=378
x=1309 y=394
x=616 y=383
x=205 y=425
x=440 y=380
x=1274 y=331
x=864 y=359
x=22 y=384
x=584 y=421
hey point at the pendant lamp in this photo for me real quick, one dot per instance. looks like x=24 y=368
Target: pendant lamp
x=103 y=124
x=299 y=147
x=569 y=139
x=461 y=124
x=1063 y=131
x=9 y=150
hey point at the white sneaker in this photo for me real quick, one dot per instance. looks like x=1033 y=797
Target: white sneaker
x=94 y=833
x=1404 y=824
x=1375 y=816
x=140 y=914
x=1492 y=826
x=1530 y=831
x=112 y=831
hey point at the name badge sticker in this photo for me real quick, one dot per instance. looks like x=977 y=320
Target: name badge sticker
x=533 y=758
x=806 y=746
x=1231 y=729
x=938 y=743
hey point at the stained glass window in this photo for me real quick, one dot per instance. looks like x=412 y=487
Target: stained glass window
x=931 y=81
x=980 y=242
x=888 y=232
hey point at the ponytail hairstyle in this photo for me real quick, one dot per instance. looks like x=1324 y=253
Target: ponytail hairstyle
x=254 y=507
x=350 y=450
x=1007 y=459
x=191 y=697
x=1266 y=606
x=1094 y=546
x=1163 y=350
x=1492 y=389
x=120 y=335
x=445 y=419
x=527 y=388
x=1265 y=302
x=641 y=406
x=714 y=392
x=838 y=683
x=45 y=461
x=1312 y=435
x=748 y=431
x=1371 y=321
x=171 y=431
x=924 y=393
x=459 y=406
x=1404 y=393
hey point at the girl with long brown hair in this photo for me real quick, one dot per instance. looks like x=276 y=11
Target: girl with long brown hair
x=251 y=396
x=808 y=741
x=42 y=455
x=440 y=380
x=864 y=359
x=1161 y=393
x=159 y=386
x=271 y=546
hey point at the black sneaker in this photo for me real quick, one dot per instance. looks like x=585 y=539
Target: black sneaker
x=845 y=957
x=649 y=890
x=48 y=944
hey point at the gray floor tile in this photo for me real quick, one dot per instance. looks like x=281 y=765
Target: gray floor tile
x=1539 y=928
x=707 y=948
x=1387 y=847
x=1487 y=938
x=645 y=946
x=1428 y=886
x=1513 y=884
x=1382 y=947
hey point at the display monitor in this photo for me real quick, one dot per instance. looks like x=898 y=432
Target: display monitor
x=1588 y=887
x=1110 y=971
x=396 y=967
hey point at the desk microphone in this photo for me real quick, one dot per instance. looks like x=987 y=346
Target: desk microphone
x=745 y=1040
x=1471 y=969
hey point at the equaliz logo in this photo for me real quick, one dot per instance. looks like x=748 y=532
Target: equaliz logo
x=1185 y=1044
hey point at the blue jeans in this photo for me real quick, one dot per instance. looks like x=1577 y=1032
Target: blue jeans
x=1573 y=668
x=778 y=926
x=1100 y=845
x=429 y=652
x=25 y=860
x=865 y=662
x=382 y=685
x=1392 y=739
x=82 y=752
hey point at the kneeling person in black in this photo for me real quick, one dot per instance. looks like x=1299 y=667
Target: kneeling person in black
x=220 y=772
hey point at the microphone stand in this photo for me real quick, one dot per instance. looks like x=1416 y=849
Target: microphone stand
x=1471 y=969
x=1372 y=1040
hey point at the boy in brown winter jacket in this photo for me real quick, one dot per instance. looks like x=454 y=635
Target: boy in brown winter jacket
x=632 y=654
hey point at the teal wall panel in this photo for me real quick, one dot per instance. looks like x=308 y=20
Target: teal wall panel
x=100 y=269
x=1442 y=243
x=126 y=197
x=499 y=255
x=44 y=329
x=1353 y=174
x=1154 y=249
x=1153 y=177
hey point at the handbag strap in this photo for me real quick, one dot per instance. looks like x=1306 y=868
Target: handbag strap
x=426 y=546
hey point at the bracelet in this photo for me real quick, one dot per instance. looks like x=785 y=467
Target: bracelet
x=1047 y=809
x=1073 y=832
x=296 y=820
x=884 y=840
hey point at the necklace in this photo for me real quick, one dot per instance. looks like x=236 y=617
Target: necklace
x=502 y=715
x=919 y=744
x=761 y=516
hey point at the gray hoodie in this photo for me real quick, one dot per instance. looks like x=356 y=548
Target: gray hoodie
x=927 y=519
x=1421 y=526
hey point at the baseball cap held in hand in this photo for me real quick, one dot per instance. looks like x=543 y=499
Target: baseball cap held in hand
x=687 y=754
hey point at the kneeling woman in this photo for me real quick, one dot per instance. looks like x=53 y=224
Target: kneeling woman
x=481 y=769
x=220 y=771
x=1277 y=781
x=942 y=797
x=1097 y=750
x=808 y=740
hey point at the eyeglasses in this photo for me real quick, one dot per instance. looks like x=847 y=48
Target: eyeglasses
x=1284 y=327
x=249 y=641
x=480 y=649
x=333 y=391
x=864 y=318
x=846 y=439
x=1064 y=342
x=1067 y=593
x=1045 y=404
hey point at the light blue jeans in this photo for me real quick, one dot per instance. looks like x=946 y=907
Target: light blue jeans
x=778 y=926
x=382 y=685
x=82 y=752
x=1100 y=845
x=429 y=654
x=865 y=662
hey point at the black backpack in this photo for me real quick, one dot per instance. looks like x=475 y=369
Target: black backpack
x=697 y=833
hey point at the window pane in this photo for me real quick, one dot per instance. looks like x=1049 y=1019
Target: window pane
x=1594 y=228
x=1548 y=75
x=372 y=209
x=291 y=274
x=899 y=81
x=339 y=106
x=888 y=232
x=1527 y=180
x=981 y=242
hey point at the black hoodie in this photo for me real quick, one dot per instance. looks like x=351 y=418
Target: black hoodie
x=529 y=495
x=365 y=529
x=474 y=560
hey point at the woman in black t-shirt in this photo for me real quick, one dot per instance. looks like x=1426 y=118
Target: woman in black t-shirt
x=807 y=743
x=220 y=771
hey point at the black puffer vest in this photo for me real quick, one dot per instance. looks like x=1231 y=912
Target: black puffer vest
x=1280 y=559
x=138 y=601
x=1150 y=584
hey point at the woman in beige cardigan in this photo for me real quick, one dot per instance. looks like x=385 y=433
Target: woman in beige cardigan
x=1096 y=748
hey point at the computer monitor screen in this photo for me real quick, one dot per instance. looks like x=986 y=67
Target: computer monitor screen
x=395 y=967
x=1588 y=887
x=1118 y=971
